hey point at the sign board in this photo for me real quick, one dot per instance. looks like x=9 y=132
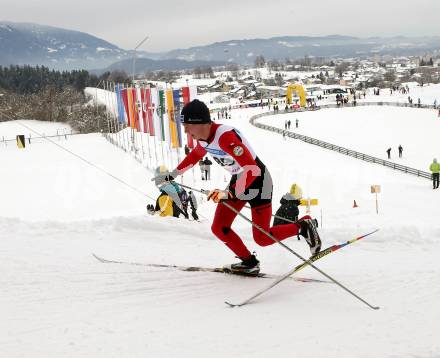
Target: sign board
x=304 y=202
x=375 y=189
x=21 y=143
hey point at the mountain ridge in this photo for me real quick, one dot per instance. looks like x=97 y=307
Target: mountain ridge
x=63 y=49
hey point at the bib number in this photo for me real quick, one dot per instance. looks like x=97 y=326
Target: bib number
x=224 y=162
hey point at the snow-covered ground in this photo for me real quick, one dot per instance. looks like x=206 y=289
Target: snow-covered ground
x=427 y=94
x=31 y=128
x=56 y=209
x=380 y=127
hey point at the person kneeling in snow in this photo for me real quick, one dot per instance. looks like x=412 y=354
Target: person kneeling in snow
x=172 y=201
x=289 y=206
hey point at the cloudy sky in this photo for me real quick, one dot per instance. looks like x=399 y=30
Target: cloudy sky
x=180 y=24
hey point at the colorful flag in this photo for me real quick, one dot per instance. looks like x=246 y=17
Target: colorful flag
x=124 y=95
x=174 y=140
x=150 y=110
x=192 y=92
x=143 y=112
x=162 y=113
x=134 y=109
x=120 y=103
x=178 y=123
x=130 y=108
x=186 y=99
x=139 y=110
x=157 y=124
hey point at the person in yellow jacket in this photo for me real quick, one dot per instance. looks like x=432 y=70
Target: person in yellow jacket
x=172 y=200
x=435 y=169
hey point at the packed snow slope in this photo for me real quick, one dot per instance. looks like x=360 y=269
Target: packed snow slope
x=56 y=209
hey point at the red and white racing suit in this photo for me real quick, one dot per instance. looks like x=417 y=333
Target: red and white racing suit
x=251 y=182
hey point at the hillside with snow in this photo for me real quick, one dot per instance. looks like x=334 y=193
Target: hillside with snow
x=64 y=199
x=58 y=48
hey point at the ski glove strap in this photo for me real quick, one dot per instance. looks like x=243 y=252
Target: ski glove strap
x=217 y=195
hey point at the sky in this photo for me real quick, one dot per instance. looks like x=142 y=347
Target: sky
x=183 y=24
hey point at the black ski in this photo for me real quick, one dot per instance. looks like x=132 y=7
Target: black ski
x=203 y=269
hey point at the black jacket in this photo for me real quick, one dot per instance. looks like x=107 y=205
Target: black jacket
x=288 y=210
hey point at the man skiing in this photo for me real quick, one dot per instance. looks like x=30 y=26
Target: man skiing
x=250 y=183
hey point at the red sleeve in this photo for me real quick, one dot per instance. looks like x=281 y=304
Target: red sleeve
x=191 y=159
x=231 y=143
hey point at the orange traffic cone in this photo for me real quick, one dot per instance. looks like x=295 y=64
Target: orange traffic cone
x=354 y=204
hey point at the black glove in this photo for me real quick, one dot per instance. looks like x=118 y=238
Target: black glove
x=150 y=209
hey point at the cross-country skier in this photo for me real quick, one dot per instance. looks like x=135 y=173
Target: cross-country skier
x=250 y=183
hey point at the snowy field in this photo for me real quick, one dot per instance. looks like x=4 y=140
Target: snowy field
x=380 y=127
x=12 y=129
x=57 y=301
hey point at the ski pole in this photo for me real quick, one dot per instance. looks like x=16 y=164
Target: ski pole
x=307 y=262
x=275 y=216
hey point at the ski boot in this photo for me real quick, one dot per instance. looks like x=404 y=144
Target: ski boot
x=307 y=229
x=248 y=267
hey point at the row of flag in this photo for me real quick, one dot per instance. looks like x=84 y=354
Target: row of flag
x=154 y=111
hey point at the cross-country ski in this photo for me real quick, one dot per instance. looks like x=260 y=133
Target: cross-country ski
x=299 y=267
x=204 y=269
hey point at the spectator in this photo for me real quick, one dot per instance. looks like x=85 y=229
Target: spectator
x=400 y=150
x=208 y=164
x=202 y=168
x=389 y=153
x=170 y=201
x=435 y=169
x=289 y=206
x=193 y=203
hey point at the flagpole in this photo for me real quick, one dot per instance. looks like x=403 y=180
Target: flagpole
x=134 y=55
